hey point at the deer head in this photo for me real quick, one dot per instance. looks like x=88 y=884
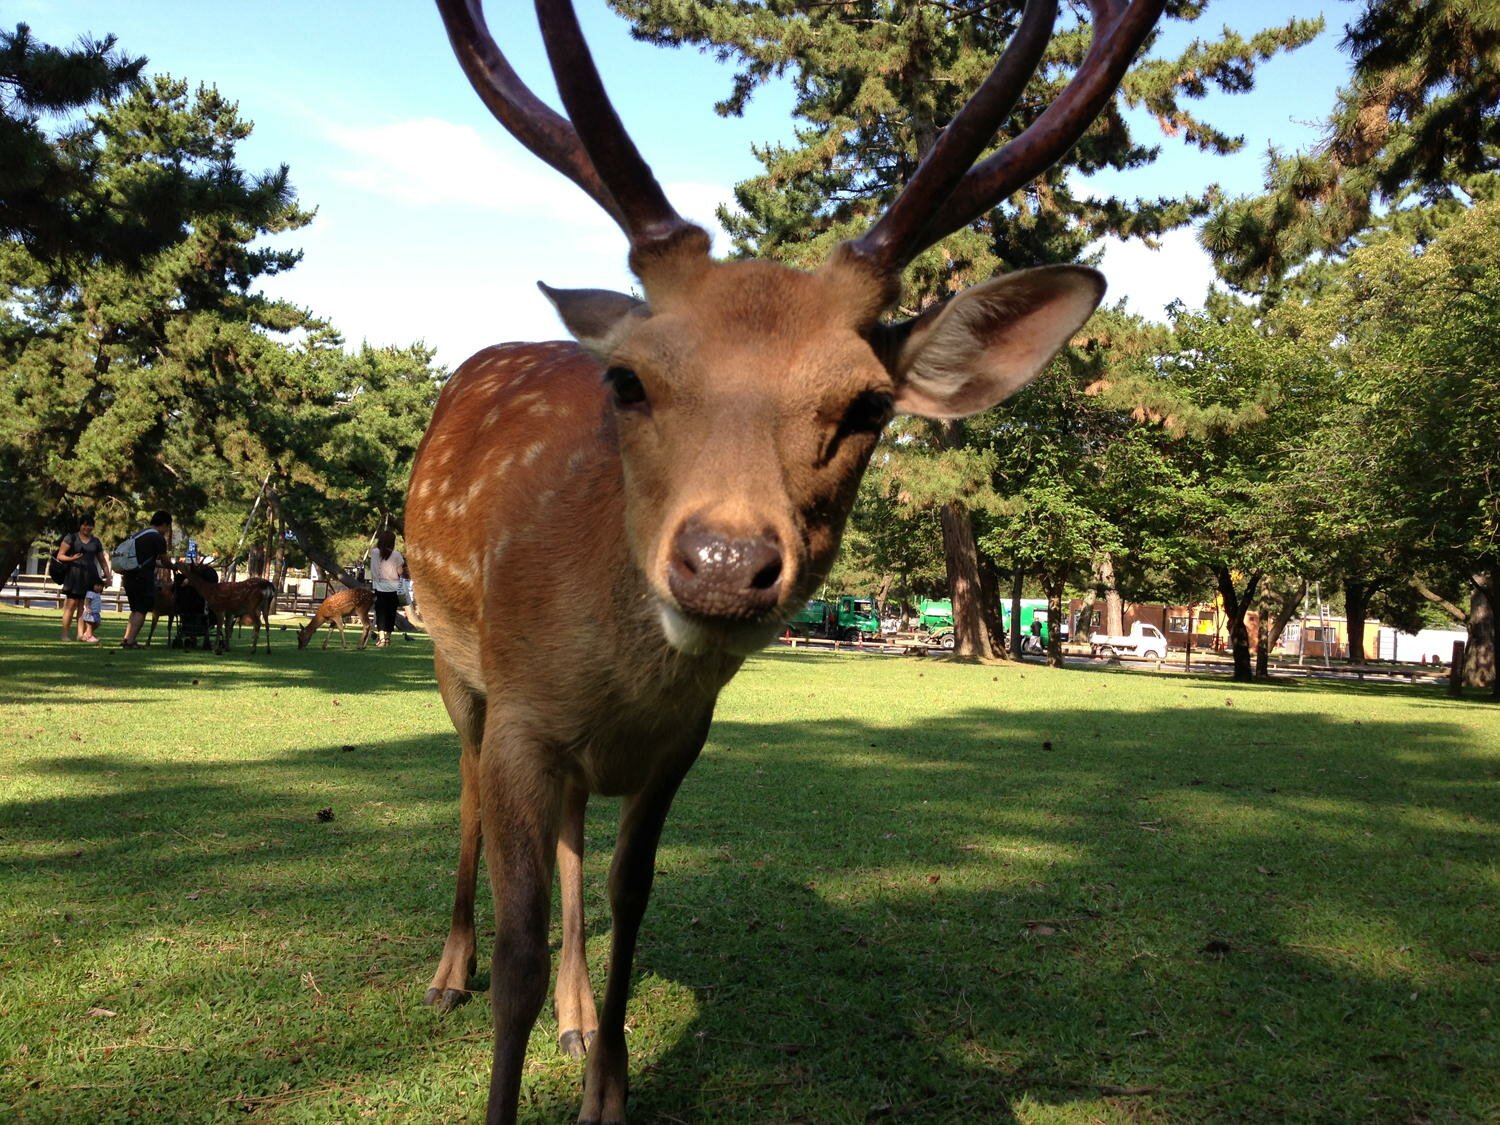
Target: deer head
x=747 y=397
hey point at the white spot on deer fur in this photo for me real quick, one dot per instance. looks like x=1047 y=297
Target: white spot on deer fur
x=576 y=460
x=491 y=418
x=533 y=451
x=503 y=464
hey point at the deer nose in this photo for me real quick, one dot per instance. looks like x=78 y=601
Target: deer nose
x=728 y=577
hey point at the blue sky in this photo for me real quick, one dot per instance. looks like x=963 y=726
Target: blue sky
x=434 y=225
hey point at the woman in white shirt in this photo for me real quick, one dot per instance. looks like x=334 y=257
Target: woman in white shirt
x=386 y=565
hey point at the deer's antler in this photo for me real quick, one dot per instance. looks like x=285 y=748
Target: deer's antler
x=946 y=193
x=595 y=153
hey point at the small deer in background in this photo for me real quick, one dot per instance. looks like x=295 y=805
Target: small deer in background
x=332 y=611
x=251 y=599
x=664 y=493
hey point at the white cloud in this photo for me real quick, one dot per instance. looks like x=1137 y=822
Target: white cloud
x=429 y=162
x=1150 y=280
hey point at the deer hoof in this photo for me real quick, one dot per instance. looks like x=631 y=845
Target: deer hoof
x=445 y=999
x=575 y=1044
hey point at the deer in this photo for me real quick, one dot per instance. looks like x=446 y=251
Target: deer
x=163 y=603
x=675 y=480
x=333 y=609
x=250 y=598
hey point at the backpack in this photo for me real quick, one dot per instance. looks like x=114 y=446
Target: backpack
x=123 y=558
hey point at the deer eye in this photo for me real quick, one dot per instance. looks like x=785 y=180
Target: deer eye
x=627 y=387
x=867 y=414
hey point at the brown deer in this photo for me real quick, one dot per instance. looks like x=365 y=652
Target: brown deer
x=163 y=602
x=250 y=599
x=665 y=492
x=333 y=609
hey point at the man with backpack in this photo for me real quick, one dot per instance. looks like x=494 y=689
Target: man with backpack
x=135 y=559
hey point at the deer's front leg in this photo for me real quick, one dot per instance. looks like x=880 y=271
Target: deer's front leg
x=520 y=806
x=577 y=1019
x=630 y=876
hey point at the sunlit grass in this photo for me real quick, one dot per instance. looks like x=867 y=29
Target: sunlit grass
x=894 y=888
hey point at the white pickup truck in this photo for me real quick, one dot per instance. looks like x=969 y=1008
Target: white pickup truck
x=1142 y=640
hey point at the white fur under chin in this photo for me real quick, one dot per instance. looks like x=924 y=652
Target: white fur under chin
x=692 y=638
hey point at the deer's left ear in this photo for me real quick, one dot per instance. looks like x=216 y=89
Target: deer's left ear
x=596 y=317
x=988 y=342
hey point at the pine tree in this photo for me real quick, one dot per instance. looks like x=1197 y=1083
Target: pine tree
x=1419 y=122
x=129 y=387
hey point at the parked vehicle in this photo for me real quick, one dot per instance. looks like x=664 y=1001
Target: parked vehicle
x=1142 y=640
x=845 y=618
x=1035 y=628
x=935 y=616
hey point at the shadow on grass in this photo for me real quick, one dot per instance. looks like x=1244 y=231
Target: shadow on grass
x=971 y=919
x=36 y=666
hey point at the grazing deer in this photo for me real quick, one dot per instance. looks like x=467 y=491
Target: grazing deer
x=333 y=609
x=250 y=598
x=664 y=493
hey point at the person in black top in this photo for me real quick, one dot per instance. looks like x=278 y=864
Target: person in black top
x=140 y=583
x=88 y=564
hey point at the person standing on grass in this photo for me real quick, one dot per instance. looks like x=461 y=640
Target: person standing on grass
x=386 y=565
x=93 y=612
x=140 y=584
x=88 y=565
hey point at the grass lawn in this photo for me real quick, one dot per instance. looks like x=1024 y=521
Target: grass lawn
x=891 y=888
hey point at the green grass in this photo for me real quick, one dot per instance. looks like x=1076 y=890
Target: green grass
x=890 y=888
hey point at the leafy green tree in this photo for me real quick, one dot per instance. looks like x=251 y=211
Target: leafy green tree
x=1420 y=120
x=1412 y=328
x=891 y=547
x=1234 y=393
x=875 y=82
x=125 y=388
x=45 y=179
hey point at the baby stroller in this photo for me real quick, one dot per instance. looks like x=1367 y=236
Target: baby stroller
x=194 y=618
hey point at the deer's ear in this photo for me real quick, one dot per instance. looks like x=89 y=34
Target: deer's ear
x=989 y=341
x=596 y=318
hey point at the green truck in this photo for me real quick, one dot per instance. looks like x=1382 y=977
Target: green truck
x=936 y=617
x=845 y=618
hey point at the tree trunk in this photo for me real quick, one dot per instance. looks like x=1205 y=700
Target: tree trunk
x=1455 y=614
x=309 y=543
x=1235 y=607
x=1290 y=602
x=970 y=637
x=1054 y=618
x=1017 y=587
x=989 y=603
x=1277 y=607
x=1357 y=595
x=883 y=595
x=12 y=554
x=1114 y=605
x=1479 y=652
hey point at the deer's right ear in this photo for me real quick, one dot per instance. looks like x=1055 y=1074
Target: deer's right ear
x=596 y=318
x=988 y=342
